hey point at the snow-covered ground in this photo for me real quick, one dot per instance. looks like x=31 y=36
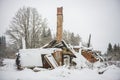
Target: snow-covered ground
x=9 y=72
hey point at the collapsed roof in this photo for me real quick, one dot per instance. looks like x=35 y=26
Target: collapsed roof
x=63 y=45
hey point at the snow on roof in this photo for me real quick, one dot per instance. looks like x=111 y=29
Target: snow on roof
x=32 y=57
x=76 y=47
x=70 y=48
x=39 y=50
x=86 y=48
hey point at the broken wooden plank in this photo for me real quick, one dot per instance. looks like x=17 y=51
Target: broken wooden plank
x=51 y=61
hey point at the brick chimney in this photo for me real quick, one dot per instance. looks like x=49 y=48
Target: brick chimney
x=59 y=23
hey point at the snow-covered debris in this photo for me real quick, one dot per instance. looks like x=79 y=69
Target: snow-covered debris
x=80 y=60
x=100 y=65
x=32 y=57
x=62 y=44
x=36 y=69
x=86 y=48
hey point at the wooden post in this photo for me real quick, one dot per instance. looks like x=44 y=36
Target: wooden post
x=89 y=41
x=59 y=23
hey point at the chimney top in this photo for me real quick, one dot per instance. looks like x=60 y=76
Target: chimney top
x=59 y=10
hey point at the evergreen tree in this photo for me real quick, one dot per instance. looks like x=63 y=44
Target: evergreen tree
x=118 y=48
x=109 y=49
x=46 y=36
x=115 y=48
x=71 y=38
x=66 y=36
x=49 y=35
x=2 y=46
x=113 y=53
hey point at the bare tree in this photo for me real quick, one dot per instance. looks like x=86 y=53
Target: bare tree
x=29 y=24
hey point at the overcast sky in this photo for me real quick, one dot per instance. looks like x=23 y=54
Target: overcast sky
x=100 y=18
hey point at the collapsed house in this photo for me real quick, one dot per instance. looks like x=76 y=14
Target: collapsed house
x=49 y=56
x=55 y=53
x=91 y=55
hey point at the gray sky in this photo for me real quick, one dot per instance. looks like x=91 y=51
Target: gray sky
x=100 y=18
